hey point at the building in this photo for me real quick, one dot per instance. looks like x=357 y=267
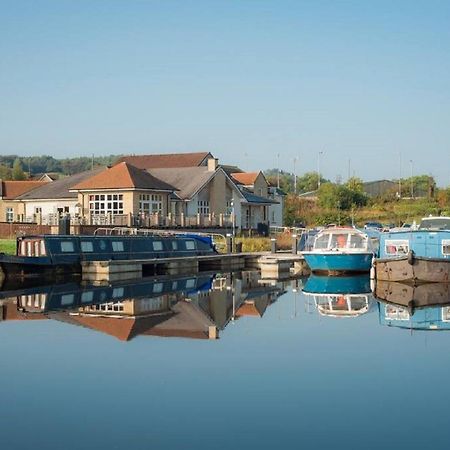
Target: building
x=380 y=187
x=12 y=210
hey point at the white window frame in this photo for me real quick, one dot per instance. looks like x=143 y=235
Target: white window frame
x=102 y=204
x=9 y=214
x=397 y=243
x=397 y=313
x=203 y=207
x=445 y=243
x=150 y=204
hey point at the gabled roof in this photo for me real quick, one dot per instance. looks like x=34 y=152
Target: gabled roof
x=123 y=176
x=187 y=180
x=12 y=189
x=169 y=160
x=250 y=197
x=245 y=178
x=59 y=188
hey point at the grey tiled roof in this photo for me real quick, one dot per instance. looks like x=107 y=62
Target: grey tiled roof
x=59 y=188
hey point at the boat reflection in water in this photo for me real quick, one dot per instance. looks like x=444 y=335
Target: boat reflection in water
x=423 y=307
x=346 y=296
x=190 y=306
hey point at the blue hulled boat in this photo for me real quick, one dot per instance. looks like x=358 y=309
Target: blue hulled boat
x=421 y=255
x=340 y=249
x=50 y=255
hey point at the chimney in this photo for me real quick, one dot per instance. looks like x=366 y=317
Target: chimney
x=213 y=163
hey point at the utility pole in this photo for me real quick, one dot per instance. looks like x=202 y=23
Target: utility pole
x=295 y=176
x=318 y=169
x=278 y=170
x=400 y=177
x=412 y=181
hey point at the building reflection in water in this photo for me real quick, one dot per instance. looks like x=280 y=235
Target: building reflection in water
x=345 y=296
x=192 y=307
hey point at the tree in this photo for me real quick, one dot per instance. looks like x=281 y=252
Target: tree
x=5 y=172
x=333 y=196
x=17 y=170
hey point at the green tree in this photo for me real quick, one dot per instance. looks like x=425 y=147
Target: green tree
x=17 y=170
x=5 y=172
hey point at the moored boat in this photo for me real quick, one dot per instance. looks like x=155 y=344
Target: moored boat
x=416 y=256
x=45 y=255
x=340 y=249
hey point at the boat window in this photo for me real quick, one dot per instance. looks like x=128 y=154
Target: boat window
x=190 y=245
x=102 y=244
x=67 y=299
x=357 y=241
x=67 y=246
x=157 y=246
x=436 y=223
x=446 y=314
x=117 y=292
x=190 y=283
x=339 y=240
x=393 y=312
x=446 y=246
x=396 y=247
x=87 y=246
x=322 y=241
x=157 y=287
x=87 y=297
x=174 y=285
x=117 y=246
x=174 y=245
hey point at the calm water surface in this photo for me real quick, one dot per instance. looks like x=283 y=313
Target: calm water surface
x=281 y=375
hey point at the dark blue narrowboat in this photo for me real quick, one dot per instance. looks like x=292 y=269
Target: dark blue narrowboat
x=63 y=254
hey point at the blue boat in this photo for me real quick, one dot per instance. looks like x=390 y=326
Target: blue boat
x=416 y=256
x=344 y=296
x=340 y=249
x=50 y=255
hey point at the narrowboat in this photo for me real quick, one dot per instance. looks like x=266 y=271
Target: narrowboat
x=341 y=249
x=346 y=296
x=432 y=318
x=410 y=296
x=416 y=256
x=50 y=255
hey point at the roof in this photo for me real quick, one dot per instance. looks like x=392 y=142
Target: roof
x=187 y=180
x=245 y=178
x=59 y=188
x=169 y=160
x=14 y=189
x=250 y=197
x=123 y=176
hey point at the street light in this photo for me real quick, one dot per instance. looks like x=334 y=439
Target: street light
x=412 y=182
x=400 y=177
x=318 y=169
x=295 y=176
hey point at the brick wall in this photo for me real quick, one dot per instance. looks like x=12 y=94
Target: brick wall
x=11 y=230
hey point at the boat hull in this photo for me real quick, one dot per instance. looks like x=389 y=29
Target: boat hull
x=338 y=262
x=413 y=269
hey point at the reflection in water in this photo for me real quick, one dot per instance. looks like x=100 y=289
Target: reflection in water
x=348 y=296
x=193 y=306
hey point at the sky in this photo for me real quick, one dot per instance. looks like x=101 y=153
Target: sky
x=366 y=83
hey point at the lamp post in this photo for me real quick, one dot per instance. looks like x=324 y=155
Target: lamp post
x=400 y=175
x=295 y=176
x=318 y=169
x=278 y=170
x=412 y=181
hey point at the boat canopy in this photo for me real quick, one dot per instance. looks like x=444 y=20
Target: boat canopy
x=341 y=239
x=435 y=223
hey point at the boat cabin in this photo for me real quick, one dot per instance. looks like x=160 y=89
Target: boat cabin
x=341 y=239
x=341 y=305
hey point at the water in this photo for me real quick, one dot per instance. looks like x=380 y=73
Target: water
x=280 y=376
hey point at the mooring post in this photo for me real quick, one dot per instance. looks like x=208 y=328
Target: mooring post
x=229 y=243
x=273 y=245
x=294 y=244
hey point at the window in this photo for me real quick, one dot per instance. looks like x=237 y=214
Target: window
x=157 y=288
x=67 y=299
x=118 y=292
x=106 y=307
x=357 y=241
x=87 y=246
x=117 y=246
x=203 y=207
x=150 y=203
x=174 y=245
x=322 y=241
x=190 y=283
x=229 y=209
x=37 y=210
x=100 y=204
x=396 y=313
x=446 y=314
x=446 y=247
x=9 y=215
x=87 y=297
x=67 y=246
x=190 y=245
x=396 y=247
x=157 y=246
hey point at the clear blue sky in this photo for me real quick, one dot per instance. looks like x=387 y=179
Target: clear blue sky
x=246 y=80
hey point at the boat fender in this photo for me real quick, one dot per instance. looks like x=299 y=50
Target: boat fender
x=411 y=257
x=411 y=306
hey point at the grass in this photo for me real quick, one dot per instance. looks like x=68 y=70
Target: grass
x=262 y=244
x=8 y=246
